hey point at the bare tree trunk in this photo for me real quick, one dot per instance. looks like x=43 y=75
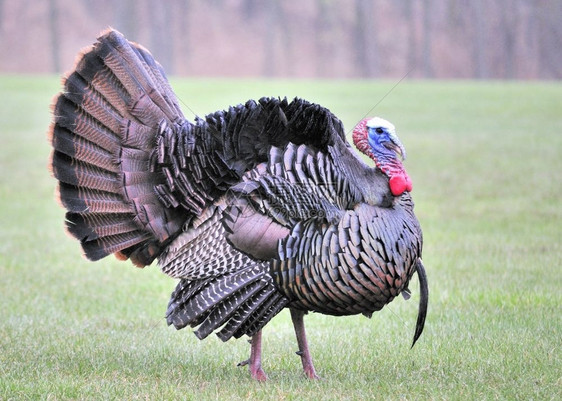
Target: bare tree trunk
x=556 y=39
x=161 y=38
x=54 y=35
x=550 y=41
x=277 y=40
x=272 y=14
x=183 y=56
x=1 y=14
x=508 y=26
x=365 y=39
x=324 y=38
x=410 y=20
x=532 y=41
x=286 y=41
x=127 y=17
x=426 y=56
x=479 y=44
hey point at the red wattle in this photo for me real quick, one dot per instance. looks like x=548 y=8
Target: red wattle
x=399 y=183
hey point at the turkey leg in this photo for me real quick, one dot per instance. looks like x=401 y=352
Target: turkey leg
x=303 y=352
x=254 y=363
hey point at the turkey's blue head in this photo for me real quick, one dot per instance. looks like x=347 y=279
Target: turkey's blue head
x=377 y=138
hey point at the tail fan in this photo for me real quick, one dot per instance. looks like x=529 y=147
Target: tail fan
x=115 y=103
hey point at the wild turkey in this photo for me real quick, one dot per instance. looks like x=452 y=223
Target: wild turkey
x=254 y=209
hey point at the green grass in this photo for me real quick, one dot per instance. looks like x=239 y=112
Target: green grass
x=486 y=161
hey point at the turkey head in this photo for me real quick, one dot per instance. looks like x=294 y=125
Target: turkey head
x=376 y=138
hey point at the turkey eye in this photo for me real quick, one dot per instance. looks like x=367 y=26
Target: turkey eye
x=379 y=130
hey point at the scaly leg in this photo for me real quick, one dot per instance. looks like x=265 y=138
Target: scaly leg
x=303 y=352
x=254 y=363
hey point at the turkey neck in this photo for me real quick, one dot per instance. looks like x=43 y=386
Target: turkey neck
x=370 y=182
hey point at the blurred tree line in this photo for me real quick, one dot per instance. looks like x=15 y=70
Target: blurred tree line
x=505 y=39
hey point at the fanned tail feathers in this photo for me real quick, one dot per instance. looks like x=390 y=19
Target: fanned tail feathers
x=105 y=128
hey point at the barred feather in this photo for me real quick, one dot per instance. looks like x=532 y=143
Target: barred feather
x=230 y=300
x=103 y=136
x=225 y=309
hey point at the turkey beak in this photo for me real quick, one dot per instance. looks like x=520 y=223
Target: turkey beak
x=396 y=147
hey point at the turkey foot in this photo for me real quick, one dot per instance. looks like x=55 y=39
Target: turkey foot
x=303 y=352
x=254 y=362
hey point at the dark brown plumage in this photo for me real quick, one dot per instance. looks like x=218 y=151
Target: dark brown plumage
x=256 y=208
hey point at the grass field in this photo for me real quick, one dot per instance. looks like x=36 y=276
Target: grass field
x=486 y=162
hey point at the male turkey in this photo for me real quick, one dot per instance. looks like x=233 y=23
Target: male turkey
x=256 y=208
